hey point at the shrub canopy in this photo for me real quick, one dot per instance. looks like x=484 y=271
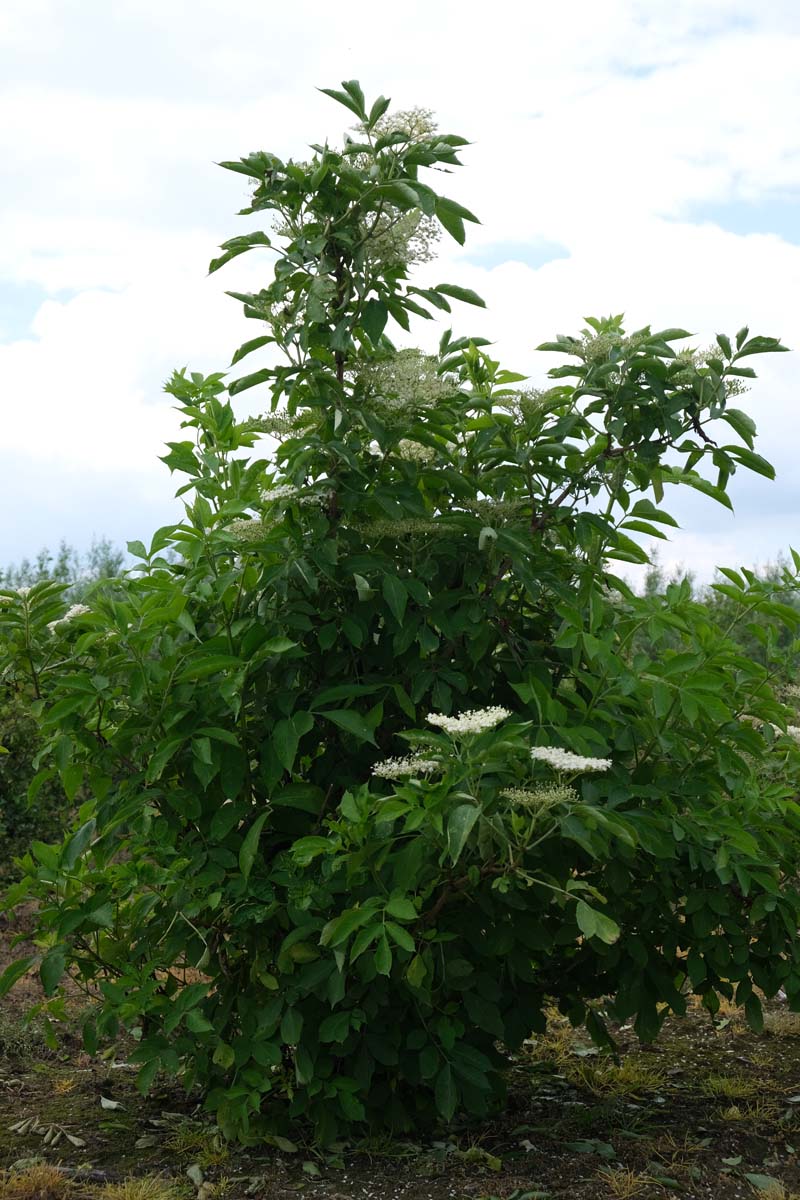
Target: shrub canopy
x=305 y=880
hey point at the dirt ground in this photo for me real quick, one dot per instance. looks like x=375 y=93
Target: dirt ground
x=711 y=1111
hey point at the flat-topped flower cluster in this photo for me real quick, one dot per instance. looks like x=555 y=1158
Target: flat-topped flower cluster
x=476 y=720
x=408 y=767
x=76 y=610
x=564 y=760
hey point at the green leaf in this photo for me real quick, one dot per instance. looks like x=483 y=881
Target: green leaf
x=166 y=749
x=765 y=1183
x=363 y=588
x=378 y=109
x=306 y=849
x=416 y=972
x=236 y=246
x=351 y=722
x=401 y=909
x=383 y=956
x=51 y=970
x=596 y=924
x=200 y=665
x=395 y=596
x=291 y=1027
x=277 y=645
x=374 y=316
x=753 y=462
x=248 y=347
x=225 y=819
x=13 y=972
x=335 y=1028
x=754 y=1014
x=341 y=98
x=247 y=381
x=401 y=937
x=285 y=740
x=353 y=89
x=145 y=1077
x=249 y=847
x=224 y=1056
x=459 y=827
x=761 y=345
x=37 y=783
x=446 y=1093
x=77 y=844
x=339 y=930
x=461 y=293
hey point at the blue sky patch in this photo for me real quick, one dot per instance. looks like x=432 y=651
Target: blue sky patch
x=778 y=213
x=19 y=304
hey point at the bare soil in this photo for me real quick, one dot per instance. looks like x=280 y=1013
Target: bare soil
x=693 y=1116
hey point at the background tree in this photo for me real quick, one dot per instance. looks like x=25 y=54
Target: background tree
x=22 y=821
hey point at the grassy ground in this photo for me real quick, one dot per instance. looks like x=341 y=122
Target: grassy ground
x=712 y=1111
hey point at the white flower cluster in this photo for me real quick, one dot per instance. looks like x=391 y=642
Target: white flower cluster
x=792 y=731
x=697 y=358
x=77 y=610
x=403 y=528
x=400 y=768
x=539 y=798
x=246 y=530
x=283 y=491
x=475 y=721
x=527 y=403
x=564 y=760
x=402 y=239
x=415 y=451
x=23 y=591
x=490 y=508
x=404 y=383
x=597 y=347
x=276 y=422
x=312 y=500
x=416 y=123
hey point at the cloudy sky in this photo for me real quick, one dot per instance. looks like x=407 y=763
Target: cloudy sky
x=636 y=155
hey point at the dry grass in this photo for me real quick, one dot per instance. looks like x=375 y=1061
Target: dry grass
x=731 y=1087
x=782 y=1023
x=775 y=1191
x=755 y=1112
x=42 y=1182
x=148 y=1187
x=634 y=1076
x=623 y=1183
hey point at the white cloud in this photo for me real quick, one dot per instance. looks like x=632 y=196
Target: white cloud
x=599 y=127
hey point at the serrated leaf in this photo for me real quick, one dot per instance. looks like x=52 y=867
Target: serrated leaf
x=249 y=848
x=51 y=970
x=401 y=909
x=351 y=722
x=395 y=596
x=459 y=826
x=77 y=844
x=248 y=347
x=13 y=972
x=466 y=295
x=596 y=924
